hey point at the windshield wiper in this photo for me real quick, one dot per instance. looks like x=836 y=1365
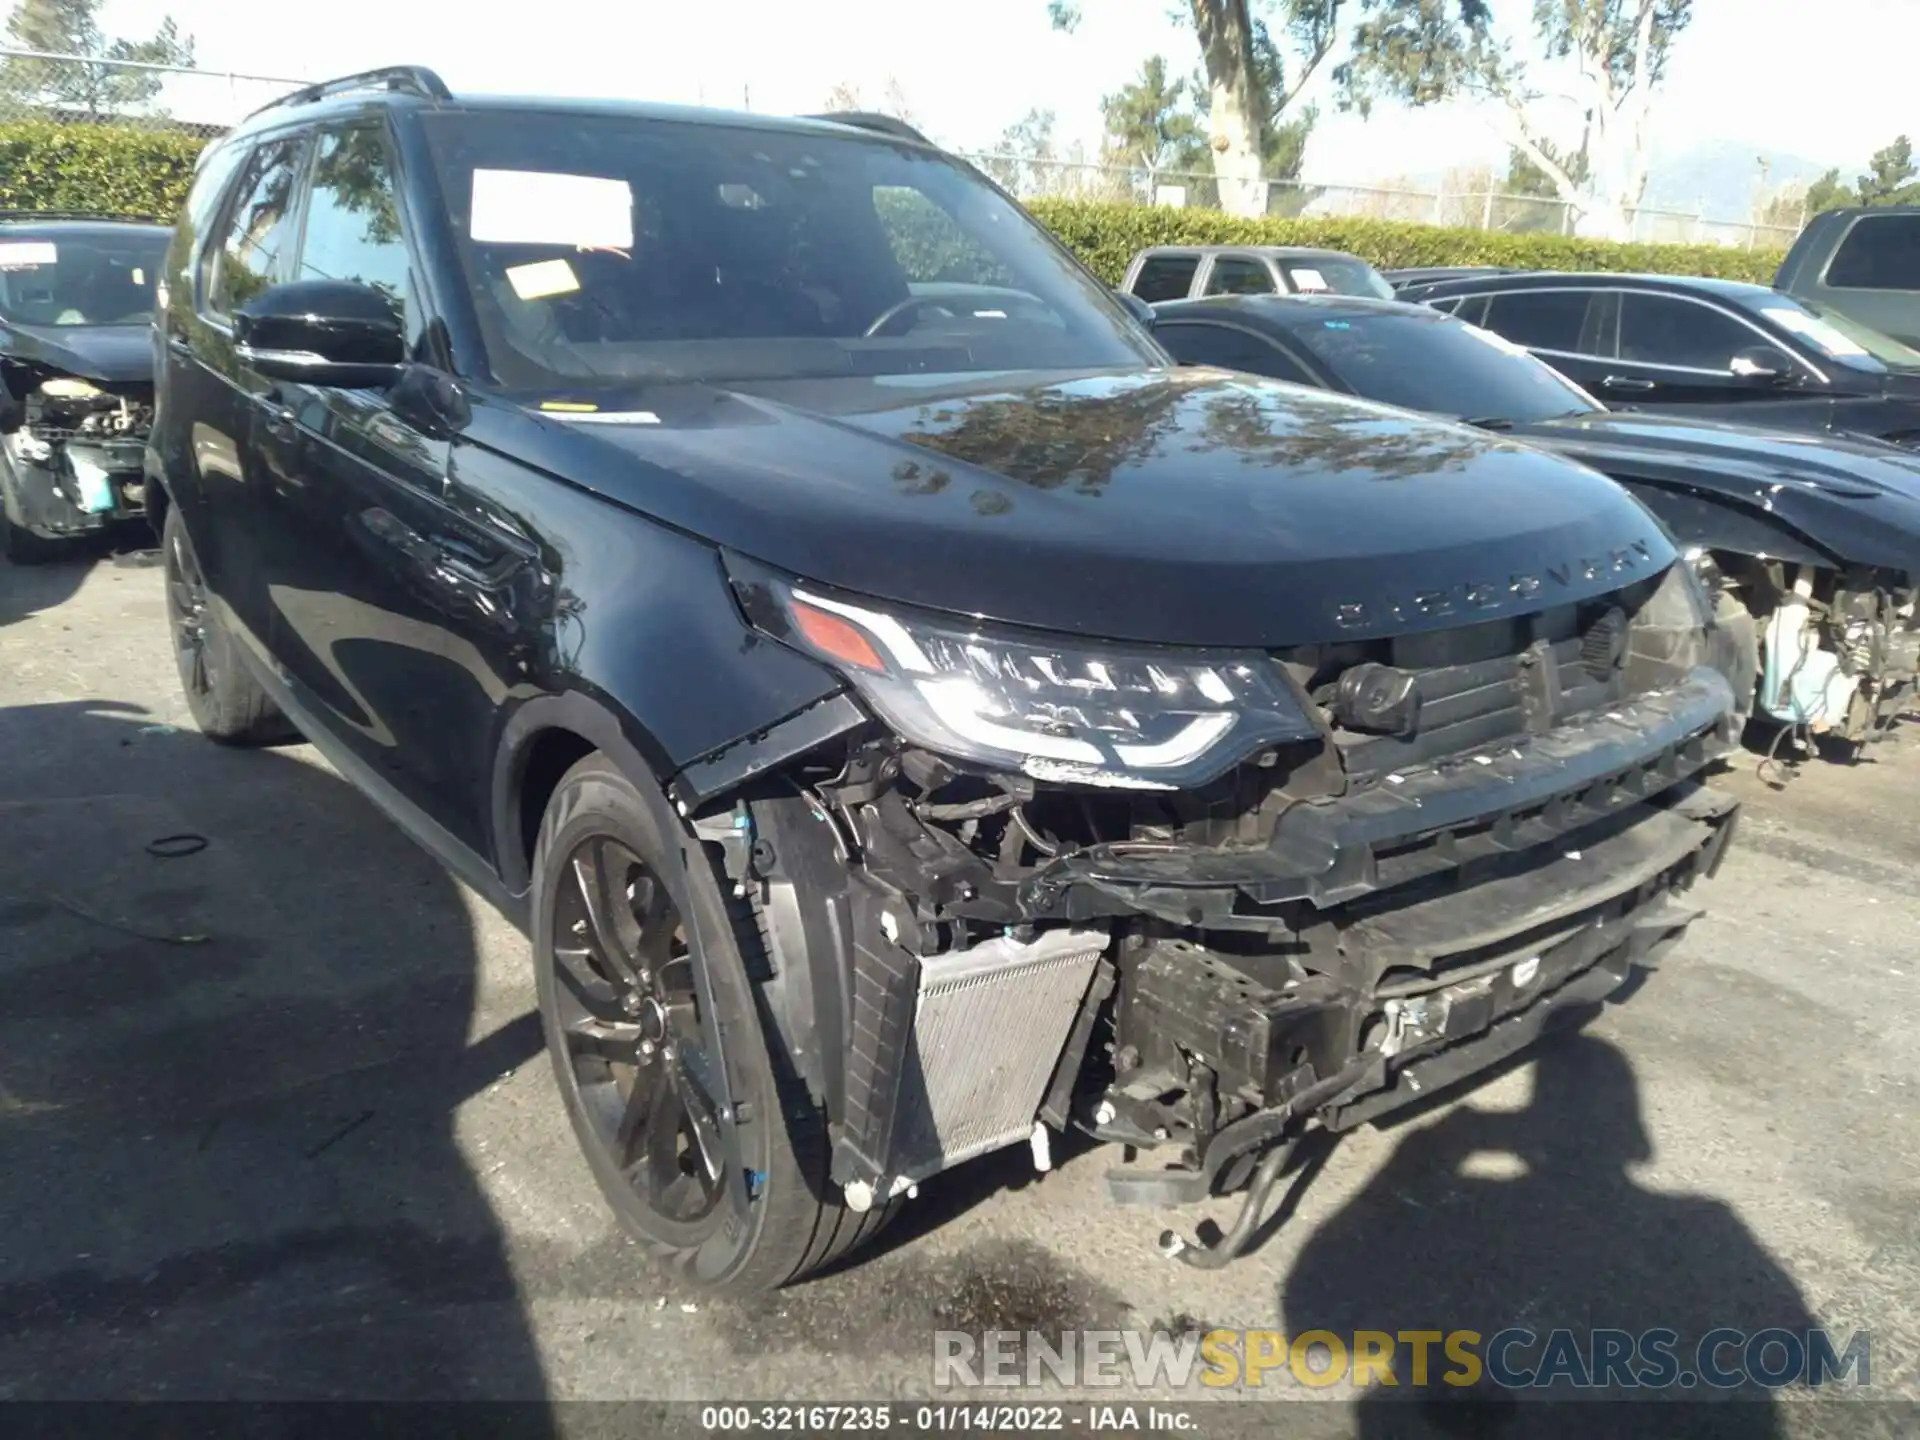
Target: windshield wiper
x=1488 y=422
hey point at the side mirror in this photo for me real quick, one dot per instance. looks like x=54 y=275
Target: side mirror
x=335 y=333
x=1138 y=308
x=1763 y=365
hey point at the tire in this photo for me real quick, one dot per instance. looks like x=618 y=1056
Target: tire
x=226 y=702
x=650 y=1135
x=23 y=547
x=1744 y=629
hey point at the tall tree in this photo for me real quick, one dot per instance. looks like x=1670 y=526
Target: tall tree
x=1244 y=78
x=1829 y=192
x=1023 y=158
x=1526 y=178
x=1425 y=52
x=1890 y=176
x=1149 y=126
x=90 y=82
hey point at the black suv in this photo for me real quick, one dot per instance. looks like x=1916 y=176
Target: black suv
x=76 y=375
x=909 y=715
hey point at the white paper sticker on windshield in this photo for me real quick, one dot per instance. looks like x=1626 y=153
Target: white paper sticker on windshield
x=23 y=254
x=1309 y=280
x=542 y=278
x=533 y=207
x=1499 y=342
x=1816 y=330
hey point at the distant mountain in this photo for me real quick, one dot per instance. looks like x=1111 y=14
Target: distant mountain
x=1721 y=178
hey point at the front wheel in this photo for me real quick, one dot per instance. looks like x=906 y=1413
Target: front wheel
x=623 y=981
x=226 y=702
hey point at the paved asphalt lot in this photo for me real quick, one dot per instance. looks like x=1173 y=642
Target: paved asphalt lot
x=319 y=1154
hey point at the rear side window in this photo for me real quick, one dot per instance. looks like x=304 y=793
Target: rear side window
x=1539 y=319
x=1881 y=252
x=1663 y=330
x=1165 y=277
x=1238 y=275
x=1197 y=344
x=245 y=256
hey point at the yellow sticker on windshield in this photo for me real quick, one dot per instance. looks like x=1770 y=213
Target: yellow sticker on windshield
x=542 y=278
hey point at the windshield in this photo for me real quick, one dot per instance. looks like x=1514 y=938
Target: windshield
x=602 y=249
x=1322 y=274
x=1839 y=337
x=1422 y=361
x=53 y=277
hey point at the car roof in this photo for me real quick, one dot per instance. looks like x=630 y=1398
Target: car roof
x=1278 y=252
x=1287 y=313
x=1739 y=290
x=1283 y=310
x=291 y=111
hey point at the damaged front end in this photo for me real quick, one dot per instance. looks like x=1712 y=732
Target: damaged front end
x=1839 y=649
x=1190 y=902
x=73 y=449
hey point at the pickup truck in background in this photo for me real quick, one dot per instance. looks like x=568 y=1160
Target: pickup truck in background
x=1184 y=272
x=1862 y=262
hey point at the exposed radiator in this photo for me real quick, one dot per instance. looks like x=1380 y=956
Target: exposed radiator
x=988 y=1027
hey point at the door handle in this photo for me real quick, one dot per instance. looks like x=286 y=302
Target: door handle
x=178 y=345
x=1627 y=382
x=280 y=415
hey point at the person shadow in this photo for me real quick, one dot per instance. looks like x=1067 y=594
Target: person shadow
x=238 y=1014
x=1485 y=1220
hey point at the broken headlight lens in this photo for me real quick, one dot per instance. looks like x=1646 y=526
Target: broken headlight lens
x=1067 y=710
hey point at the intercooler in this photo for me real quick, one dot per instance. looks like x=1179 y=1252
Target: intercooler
x=989 y=1023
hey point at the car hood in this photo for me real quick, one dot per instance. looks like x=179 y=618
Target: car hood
x=1169 y=506
x=113 y=353
x=1857 y=496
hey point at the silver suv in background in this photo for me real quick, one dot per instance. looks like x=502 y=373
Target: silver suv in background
x=1188 y=272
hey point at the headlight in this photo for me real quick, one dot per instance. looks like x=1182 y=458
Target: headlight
x=67 y=387
x=1081 y=712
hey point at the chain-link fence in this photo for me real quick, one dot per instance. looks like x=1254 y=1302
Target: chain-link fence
x=81 y=91
x=1473 y=207
x=75 y=90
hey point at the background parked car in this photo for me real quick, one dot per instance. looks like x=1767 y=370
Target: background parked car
x=1400 y=279
x=1717 y=348
x=76 y=376
x=1863 y=263
x=1176 y=272
x=1815 y=545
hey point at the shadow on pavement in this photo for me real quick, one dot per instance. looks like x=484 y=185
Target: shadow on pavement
x=1486 y=1220
x=228 y=1084
x=27 y=590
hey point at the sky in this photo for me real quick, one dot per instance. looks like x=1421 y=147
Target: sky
x=1755 y=71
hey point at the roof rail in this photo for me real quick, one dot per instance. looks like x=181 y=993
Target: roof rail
x=867 y=120
x=411 y=79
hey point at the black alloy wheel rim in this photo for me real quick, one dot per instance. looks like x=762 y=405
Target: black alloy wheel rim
x=629 y=1019
x=187 y=597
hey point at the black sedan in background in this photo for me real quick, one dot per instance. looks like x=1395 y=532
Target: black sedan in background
x=1713 y=347
x=1816 y=538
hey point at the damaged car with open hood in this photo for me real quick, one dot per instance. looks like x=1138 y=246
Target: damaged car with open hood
x=908 y=722
x=76 y=376
x=1809 y=542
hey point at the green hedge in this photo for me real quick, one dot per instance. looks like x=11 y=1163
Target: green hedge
x=126 y=170
x=1106 y=236
x=108 y=169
